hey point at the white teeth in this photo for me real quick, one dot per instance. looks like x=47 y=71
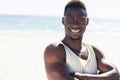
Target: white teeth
x=78 y=30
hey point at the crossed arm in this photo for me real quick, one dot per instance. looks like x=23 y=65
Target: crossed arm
x=56 y=68
x=108 y=72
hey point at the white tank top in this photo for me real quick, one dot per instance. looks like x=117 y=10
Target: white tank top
x=77 y=64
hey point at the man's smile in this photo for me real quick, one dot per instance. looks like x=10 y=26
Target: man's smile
x=75 y=30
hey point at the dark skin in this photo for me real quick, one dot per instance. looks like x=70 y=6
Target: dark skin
x=55 y=56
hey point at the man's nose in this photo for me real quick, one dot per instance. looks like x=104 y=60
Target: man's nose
x=76 y=20
x=76 y=25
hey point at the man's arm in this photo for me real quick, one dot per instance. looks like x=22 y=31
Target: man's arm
x=108 y=75
x=55 y=65
x=107 y=70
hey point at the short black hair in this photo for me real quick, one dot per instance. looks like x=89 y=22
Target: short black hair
x=75 y=4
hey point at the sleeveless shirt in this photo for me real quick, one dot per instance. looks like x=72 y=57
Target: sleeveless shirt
x=77 y=64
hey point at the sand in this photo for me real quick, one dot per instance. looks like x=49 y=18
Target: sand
x=21 y=52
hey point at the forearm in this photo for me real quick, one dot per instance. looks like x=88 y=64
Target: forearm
x=97 y=77
x=90 y=77
x=104 y=76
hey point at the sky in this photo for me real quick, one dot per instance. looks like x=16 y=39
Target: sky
x=95 y=8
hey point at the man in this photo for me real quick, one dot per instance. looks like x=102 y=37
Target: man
x=71 y=59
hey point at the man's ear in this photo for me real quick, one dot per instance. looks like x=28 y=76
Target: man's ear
x=63 y=20
x=87 y=21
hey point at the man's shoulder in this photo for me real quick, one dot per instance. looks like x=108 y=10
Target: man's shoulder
x=98 y=52
x=54 y=47
x=55 y=50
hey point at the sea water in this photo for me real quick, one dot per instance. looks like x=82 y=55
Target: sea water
x=54 y=23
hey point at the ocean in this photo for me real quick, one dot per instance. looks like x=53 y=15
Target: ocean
x=53 y=23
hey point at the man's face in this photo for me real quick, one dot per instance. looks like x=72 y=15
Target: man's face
x=75 y=21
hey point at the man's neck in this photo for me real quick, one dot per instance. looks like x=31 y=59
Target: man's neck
x=74 y=45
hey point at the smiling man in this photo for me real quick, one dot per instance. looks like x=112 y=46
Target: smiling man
x=71 y=59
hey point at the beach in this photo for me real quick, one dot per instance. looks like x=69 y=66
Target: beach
x=21 y=52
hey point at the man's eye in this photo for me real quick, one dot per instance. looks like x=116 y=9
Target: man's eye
x=69 y=20
x=81 y=21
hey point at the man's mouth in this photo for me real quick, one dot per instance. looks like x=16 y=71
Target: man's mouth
x=75 y=31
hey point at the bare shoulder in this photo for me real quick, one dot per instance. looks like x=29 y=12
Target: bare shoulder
x=54 y=58
x=54 y=51
x=99 y=54
x=101 y=59
x=103 y=64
